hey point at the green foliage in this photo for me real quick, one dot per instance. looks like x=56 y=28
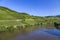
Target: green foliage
x=2 y=28
x=10 y=28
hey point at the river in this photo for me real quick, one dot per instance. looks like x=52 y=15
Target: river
x=39 y=34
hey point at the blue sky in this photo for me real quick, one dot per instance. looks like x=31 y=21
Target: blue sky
x=34 y=7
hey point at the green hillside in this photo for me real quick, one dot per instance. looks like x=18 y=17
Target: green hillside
x=11 y=17
x=7 y=14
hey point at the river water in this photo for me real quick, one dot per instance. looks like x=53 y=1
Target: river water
x=39 y=34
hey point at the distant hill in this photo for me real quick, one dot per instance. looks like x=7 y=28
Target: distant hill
x=57 y=15
x=53 y=16
x=8 y=14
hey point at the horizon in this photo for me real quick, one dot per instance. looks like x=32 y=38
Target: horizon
x=34 y=7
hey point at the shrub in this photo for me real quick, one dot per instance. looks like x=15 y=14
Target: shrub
x=10 y=28
x=2 y=28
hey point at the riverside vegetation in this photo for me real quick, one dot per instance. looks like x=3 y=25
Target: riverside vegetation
x=12 y=22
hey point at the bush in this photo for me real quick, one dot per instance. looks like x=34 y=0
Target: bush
x=10 y=28
x=2 y=28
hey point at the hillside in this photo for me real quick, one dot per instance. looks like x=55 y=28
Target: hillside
x=7 y=14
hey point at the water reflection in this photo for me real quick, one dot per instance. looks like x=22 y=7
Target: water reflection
x=53 y=31
x=40 y=34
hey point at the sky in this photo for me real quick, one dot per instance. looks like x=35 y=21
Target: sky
x=34 y=7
